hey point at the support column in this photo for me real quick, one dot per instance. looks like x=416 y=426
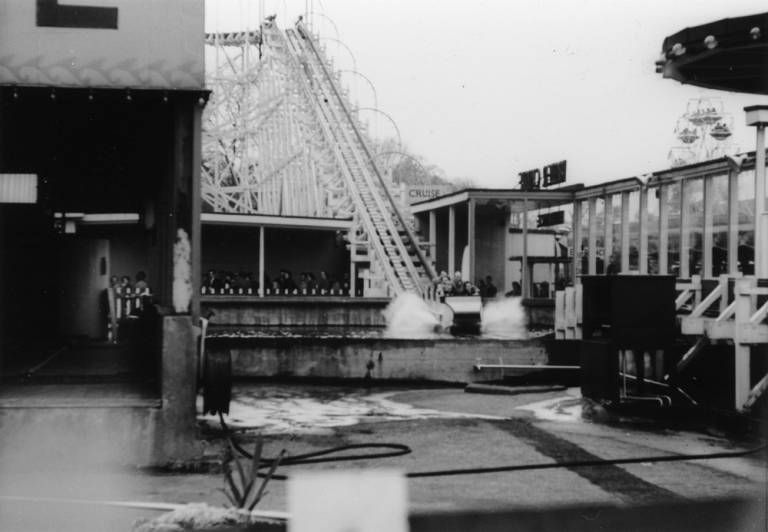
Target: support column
x=471 y=239
x=642 y=259
x=592 y=238
x=757 y=115
x=625 y=232
x=261 y=261
x=663 y=229
x=451 y=240
x=707 y=236
x=685 y=270
x=576 y=224
x=733 y=222
x=608 y=238
x=742 y=377
x=196 y=226
x=433 y=238
x=524 y=274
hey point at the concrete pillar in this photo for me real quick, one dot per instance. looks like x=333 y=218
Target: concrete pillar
x=451 y=240
x=196 y=226
x=471 y=238
x=663 y=229
x=757 y=115
x=592 y=237
x=261 y=261
x=625 y=232
x=525 y=280
x=642 y=261
x=608 y=239
x=576 y=224
x=685 y=234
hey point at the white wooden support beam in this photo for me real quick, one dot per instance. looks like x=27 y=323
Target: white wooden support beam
x=261 y=261
x=742 y=385
x=663 y=229
x=570 y=313
x=560 y=315
x=433 y=238
x=707 y=235
x=592 y=237
x=625 y=232
x=643 y=221
x=756 y=392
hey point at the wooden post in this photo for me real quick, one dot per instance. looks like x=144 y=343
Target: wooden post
x=642 y=260
x=471 y=239
x=261 y=261
x=663 y=229
x=433 y=238
x=742 y=384
x=592 y=237
x=685 y=270
x=707 y=235
x=625 y=232
x=733 y=222
x=608 y=242
x=451 y=240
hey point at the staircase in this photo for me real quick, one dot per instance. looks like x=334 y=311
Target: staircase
x=390 y=239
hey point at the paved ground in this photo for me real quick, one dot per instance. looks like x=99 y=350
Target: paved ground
x=446 y=429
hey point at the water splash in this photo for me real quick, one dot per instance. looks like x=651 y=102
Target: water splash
x=409 y=316
x=505 y=319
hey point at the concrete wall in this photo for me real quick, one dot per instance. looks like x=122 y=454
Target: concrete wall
x=447 y=360
x=295 y=311
x=86 y=426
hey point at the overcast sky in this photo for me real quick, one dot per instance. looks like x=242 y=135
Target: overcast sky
x=489 y=88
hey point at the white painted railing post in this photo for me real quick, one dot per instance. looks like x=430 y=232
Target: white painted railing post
x=743 y=300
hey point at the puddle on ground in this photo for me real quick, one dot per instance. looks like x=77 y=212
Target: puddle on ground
x=566 y=408
x=281 y=411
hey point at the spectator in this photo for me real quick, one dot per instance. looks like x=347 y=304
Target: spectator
x=480 y=287
x=323 y=283
x=458 y=285
x=288 y=283
x=141 y=285
x=470 y=289
x=125 y=285
x=490 y=288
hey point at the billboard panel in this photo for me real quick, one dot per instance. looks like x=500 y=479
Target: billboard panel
x=146 y=44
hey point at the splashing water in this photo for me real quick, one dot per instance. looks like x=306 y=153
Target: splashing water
x=409 y=316
x=504 y=318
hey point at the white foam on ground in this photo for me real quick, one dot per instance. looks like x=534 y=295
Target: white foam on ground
x=567 y=408
x=300 y=412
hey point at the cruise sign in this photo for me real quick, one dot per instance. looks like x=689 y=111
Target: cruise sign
x=152 y=44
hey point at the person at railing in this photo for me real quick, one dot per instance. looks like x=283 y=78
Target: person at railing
x=324 y=283
x=457 y=288
x=288 y=284
x=490 y=288
x=469 y=289
x=141 y=286
x=125 y=286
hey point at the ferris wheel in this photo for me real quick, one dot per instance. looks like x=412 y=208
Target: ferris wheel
x=704 y=131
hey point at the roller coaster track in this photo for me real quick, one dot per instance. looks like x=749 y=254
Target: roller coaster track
x=390 y=237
